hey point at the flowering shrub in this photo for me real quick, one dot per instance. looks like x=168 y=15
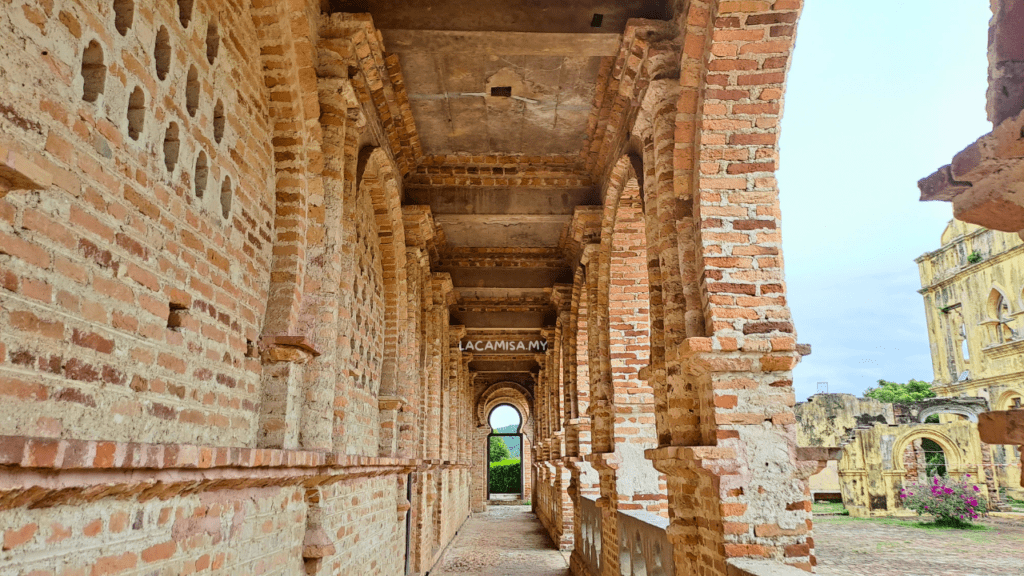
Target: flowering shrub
x=951 y=502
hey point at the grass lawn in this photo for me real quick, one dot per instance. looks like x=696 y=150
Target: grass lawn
x=829 y=508
x=908 y=523
x=505 y=462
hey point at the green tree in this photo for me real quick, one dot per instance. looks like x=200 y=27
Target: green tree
x=896 y=393
x=498 y=451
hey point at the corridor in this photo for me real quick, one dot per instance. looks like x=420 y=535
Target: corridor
x=503 y=541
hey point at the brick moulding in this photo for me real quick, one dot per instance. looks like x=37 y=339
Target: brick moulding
x=44 y=472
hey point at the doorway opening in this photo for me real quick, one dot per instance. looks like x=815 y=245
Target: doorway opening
x=505 y=454
x=924 y=459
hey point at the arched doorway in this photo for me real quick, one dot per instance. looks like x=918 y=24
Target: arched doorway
x=505 y=454
x=923 y=459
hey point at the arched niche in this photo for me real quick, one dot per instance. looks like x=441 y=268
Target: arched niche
x=511 y=393
x=954 y=459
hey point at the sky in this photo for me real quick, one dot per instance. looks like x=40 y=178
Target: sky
x=880 y=95
x=503 y=416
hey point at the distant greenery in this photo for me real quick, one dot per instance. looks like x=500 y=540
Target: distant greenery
x=498 y=451
x=506 y=462
x=896 y=393
x=510 y=429
x=506 y=478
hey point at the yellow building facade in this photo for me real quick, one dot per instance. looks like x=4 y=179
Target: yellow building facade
x=973 y=289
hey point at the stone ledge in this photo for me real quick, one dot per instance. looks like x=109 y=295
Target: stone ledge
x=752 y=567
x=40 y=472
x=51 y=453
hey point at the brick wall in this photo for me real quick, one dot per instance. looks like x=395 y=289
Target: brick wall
x=226 y=532
x=130 y=295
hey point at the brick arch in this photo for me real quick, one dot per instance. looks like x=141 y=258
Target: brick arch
x=509 y=393
x=954 y=460
x=376 y=176
x=572 y=390
x=601 y=389
x=622 y=194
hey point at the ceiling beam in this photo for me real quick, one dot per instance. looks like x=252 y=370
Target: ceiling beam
x=502 y=230
x=502 y=43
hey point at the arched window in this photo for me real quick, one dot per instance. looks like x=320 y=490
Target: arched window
x=1000 y=318
x=505 y=453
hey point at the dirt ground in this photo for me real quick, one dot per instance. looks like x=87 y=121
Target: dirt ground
x=857 y=547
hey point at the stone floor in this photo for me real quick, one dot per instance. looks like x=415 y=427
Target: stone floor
x=504 y=541
x=854 y=547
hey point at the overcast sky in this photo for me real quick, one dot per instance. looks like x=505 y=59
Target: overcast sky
x=880 y=94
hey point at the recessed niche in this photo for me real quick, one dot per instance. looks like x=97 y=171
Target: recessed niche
x=94 y=72
x=176 y=315
x=212 y=42
x=597 y=20
x=184 y=12
x=192 y=91
x=501 y=91
x=171 y=146
x=162 y=53
x=136 y=113
x=225 y=197
x=202 y=173
x=218 y=121
x=124 y=15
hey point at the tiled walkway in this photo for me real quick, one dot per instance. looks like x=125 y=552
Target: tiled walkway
x=854 y=547
x=504 y=541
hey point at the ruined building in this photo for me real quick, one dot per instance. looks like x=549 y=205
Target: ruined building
x=973 y=288
x=877 y=448
x=244 y=248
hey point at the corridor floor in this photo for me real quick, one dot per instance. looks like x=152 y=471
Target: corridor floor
x=504 y=541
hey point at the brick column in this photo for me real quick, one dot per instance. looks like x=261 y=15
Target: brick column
x=730 y=451
x=480 y=468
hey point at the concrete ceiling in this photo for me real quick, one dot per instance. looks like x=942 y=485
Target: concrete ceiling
x=514 y=80
x=574 y=16
x=545 y=112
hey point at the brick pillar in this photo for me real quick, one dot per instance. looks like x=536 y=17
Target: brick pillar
x=480 y=468
x=730 y=452
x=1006 y=61
x=325 y=288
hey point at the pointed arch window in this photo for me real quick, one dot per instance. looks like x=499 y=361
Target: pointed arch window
x=1000 y=318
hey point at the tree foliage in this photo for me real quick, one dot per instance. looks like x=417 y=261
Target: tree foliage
x=896 y=393
x=497 y=451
